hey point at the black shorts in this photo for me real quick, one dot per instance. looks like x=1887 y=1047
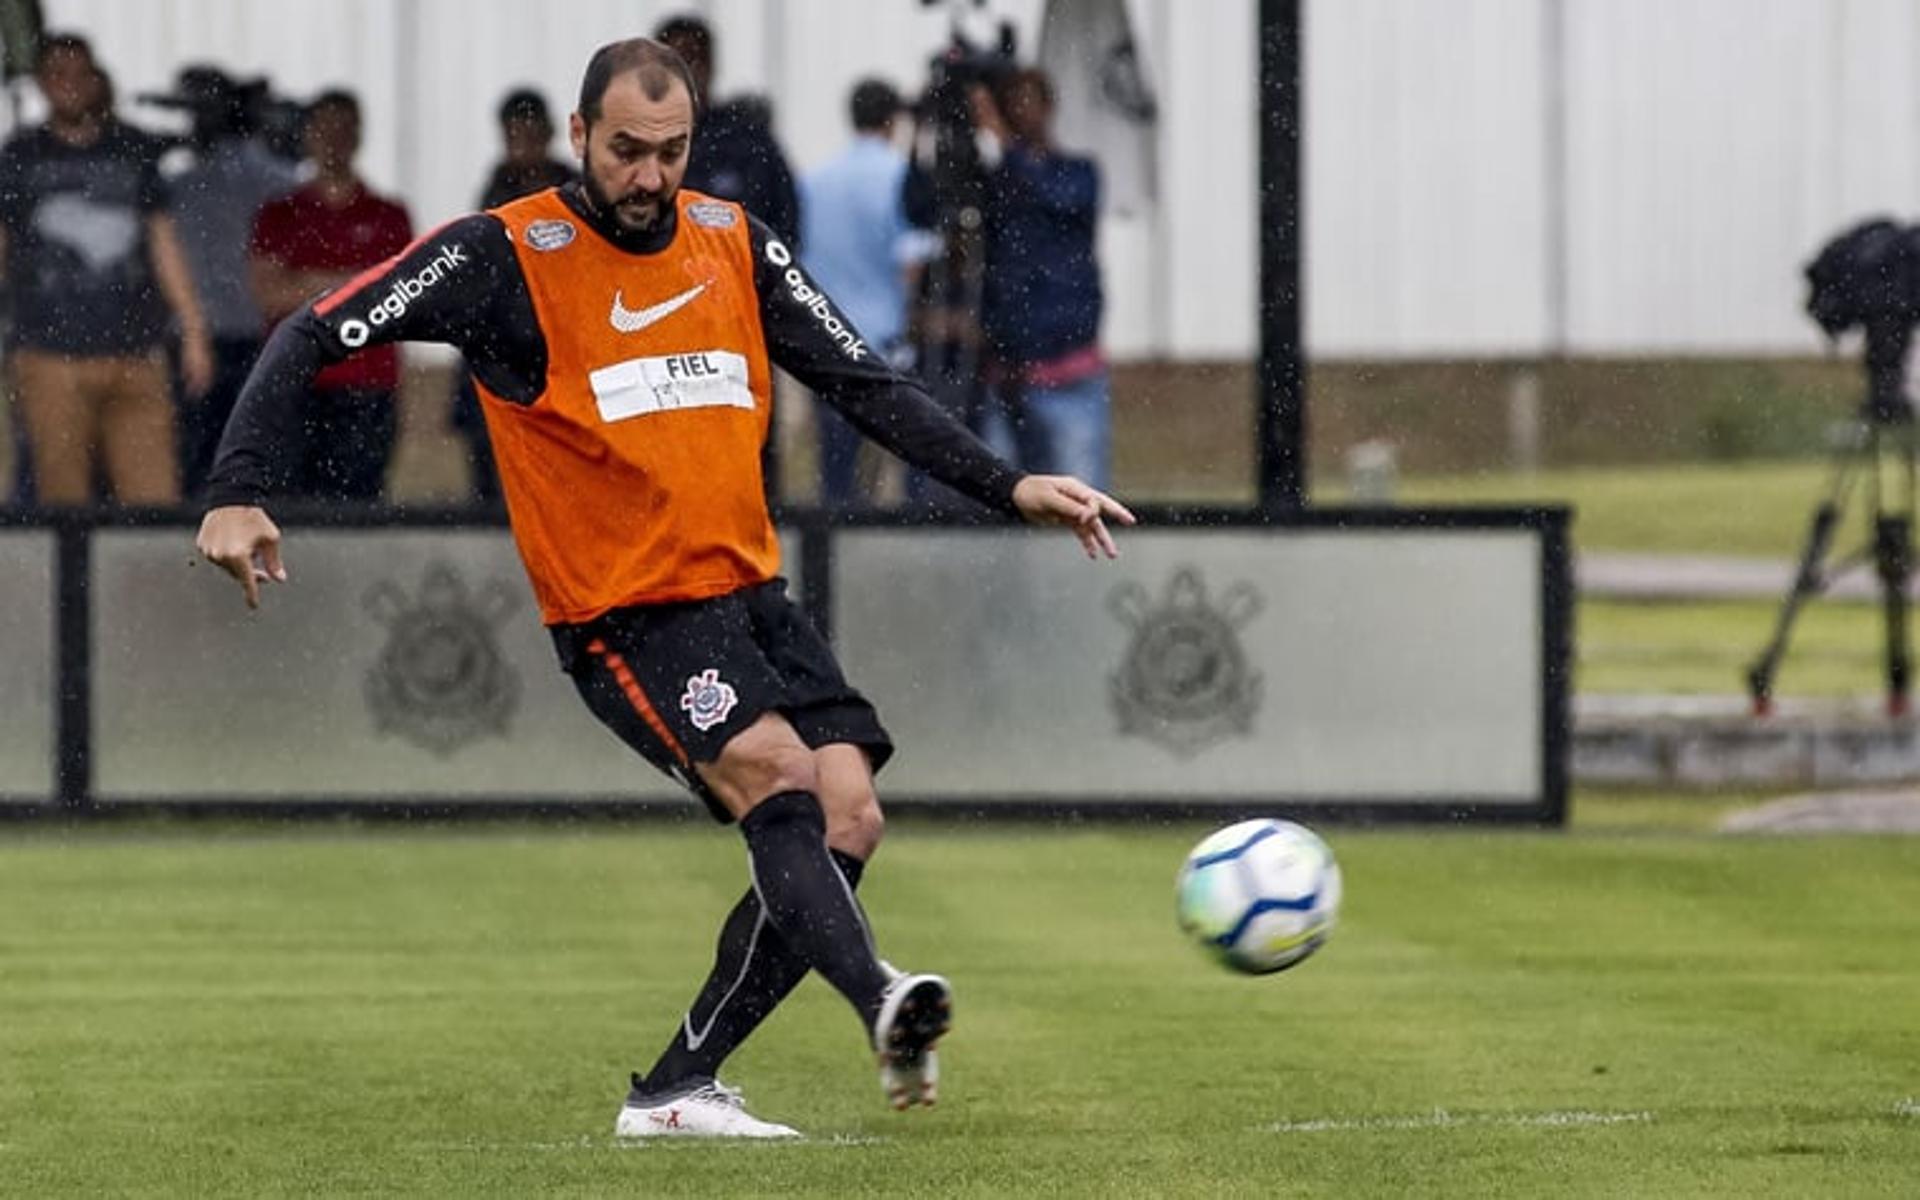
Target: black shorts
x=678 y=681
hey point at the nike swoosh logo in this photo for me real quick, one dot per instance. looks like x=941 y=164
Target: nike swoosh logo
x=633 y=320
x=697 y=1040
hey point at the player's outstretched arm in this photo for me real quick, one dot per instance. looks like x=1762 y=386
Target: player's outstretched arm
x=244 y=542
x=1064 y=500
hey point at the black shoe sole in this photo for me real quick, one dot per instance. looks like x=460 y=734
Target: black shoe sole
x=926 y=1013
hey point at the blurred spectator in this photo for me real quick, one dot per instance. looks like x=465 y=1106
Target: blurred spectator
x=93 y=266
x=215 y=201
x=855 y=229
x=734 y=154
x=1041 y=306
x=527 y=166
x=318 y=238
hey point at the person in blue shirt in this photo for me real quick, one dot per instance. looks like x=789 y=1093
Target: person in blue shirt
x=857 y=243
x=1042 y=302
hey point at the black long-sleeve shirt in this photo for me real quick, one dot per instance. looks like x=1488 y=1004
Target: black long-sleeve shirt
x=462 y=285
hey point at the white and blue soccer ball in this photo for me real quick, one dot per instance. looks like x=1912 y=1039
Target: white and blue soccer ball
x=1260 y=895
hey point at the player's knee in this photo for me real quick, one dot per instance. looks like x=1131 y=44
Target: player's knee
x=855 y=825
x=772 y=770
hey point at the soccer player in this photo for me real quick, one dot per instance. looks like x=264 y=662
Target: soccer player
x=621 y=332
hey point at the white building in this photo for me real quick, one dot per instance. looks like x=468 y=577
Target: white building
x=1484 y=178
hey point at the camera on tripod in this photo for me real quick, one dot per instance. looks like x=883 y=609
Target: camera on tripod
x=218 y=106
x=1868 y=278
x=955 y=180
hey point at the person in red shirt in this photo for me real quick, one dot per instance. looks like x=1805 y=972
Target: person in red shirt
x=319 y=237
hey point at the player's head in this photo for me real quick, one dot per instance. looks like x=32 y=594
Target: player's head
x=633 y=130
x=692 y=39
x=332 y=131
x=525 y=126
x=69 y=77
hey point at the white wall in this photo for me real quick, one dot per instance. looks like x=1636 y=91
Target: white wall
x=1704 y=149
x=431 y=71
x=1697 y=153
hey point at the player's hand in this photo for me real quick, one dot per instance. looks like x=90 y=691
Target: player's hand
x=1064 y=500
x=242 y=541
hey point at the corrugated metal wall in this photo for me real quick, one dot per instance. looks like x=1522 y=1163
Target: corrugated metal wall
x=1517 y=177
x=1484 y=177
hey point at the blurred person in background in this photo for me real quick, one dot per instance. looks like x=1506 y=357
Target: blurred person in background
x=735 y=156
x=216 y=200
x=307 y=242
x=858 y=245
x=94 y=269
x=527 y=166
x=1041 y=306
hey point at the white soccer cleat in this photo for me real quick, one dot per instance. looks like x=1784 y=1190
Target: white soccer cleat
x=915 y=1012
x=711 y=1110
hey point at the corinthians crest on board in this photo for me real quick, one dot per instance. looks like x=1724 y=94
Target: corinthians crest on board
x=440 y=681
x=1185 y=682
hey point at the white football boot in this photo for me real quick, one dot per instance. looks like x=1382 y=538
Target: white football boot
x=711 y=1110
x=915 y=1012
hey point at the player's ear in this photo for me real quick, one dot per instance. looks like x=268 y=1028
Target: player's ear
x=577 y=134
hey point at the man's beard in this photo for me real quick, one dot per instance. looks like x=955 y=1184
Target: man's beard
x=634 y=210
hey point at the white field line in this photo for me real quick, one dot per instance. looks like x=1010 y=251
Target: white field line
x=1909 y=1107
x=838 y=1141
x=1441 y=1119
x=584 y=1142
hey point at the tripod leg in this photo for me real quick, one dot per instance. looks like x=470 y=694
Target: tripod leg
x=1893 y=556
x=1810 y=579
x=1807 y=583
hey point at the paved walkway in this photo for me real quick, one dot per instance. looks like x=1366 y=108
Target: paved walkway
x=1708 y=577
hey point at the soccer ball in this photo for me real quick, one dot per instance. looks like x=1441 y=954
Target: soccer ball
x=1260 y=895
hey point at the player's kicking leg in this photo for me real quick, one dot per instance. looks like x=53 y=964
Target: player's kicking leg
x=809 y=904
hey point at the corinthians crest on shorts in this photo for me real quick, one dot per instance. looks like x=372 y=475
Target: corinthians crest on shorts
x=1185 y=682
x=440 y=681
x=708 y=699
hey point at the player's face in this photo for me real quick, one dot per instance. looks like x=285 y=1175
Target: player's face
x=635 y=154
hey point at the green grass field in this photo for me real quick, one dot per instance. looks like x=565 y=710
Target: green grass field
x=1750 y=508
x=1635 y=1008
x=1704 y=647
x=1756 y=509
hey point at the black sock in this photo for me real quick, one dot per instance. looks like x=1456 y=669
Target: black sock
x=808 y=900
x=753 y=971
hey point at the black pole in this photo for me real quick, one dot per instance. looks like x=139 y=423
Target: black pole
x=1283 y=385
x=73 y=619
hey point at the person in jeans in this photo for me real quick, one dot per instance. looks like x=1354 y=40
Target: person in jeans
x=216 y=200
x=854 y=222
x=1042 y=303
x=94 y=275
